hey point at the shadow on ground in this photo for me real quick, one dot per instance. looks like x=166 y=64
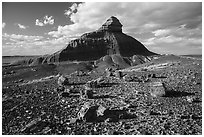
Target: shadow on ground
x=172 y=93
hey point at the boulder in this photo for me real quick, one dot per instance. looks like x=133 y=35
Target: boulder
x=87 y=113
x=62 y=81
x=91 y=113
x=157 y=89
x=101 y=111
x=87 y=93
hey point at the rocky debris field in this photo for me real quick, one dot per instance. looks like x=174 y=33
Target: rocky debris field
x=149 y=99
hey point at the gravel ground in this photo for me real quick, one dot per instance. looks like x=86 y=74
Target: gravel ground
x=39 y=108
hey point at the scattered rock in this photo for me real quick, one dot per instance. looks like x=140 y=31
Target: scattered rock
x=119 y=74
x=81 y=73
x=60 y=88
x=10 y=72
x=73 y=120
x=109 y=72
x=20 y=80
x=30 y=125
x=87 y=93
x=94 y=83
x=62 y=81
x=192 y=99
x=87 y=113
x=100 y=111
x=157 y=89
x=189 y=99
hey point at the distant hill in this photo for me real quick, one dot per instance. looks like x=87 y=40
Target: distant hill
x=194 y=56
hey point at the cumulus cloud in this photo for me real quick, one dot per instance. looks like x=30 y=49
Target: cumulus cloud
x=71 y=10
x=47 y=20
x=38 y=23
x=162 y=27
x=3 y=25
x=135 y=16
x=151 y=23
x=22 y=26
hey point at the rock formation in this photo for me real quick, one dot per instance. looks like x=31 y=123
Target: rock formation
x=107 y=40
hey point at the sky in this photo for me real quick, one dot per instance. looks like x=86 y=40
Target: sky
x=36 y=28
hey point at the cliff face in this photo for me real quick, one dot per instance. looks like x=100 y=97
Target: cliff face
x=107 y=40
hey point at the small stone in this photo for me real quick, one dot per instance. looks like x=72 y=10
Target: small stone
x=72 y=120
x=12 y=72
x=189 y=99
x=20 y=80
x=119 y=74
x=99 y=80
x=101 y=110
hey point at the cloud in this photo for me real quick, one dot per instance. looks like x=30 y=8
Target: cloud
x=21 y=38
x=150 y=22
x=14 y=44
x=3 y=25
x=161 y=32
x=134 y=16
x=162 y=27
x=22 y=26
x=71 y=10
x=35 y=40
x=38 y=23
x=47 y=20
